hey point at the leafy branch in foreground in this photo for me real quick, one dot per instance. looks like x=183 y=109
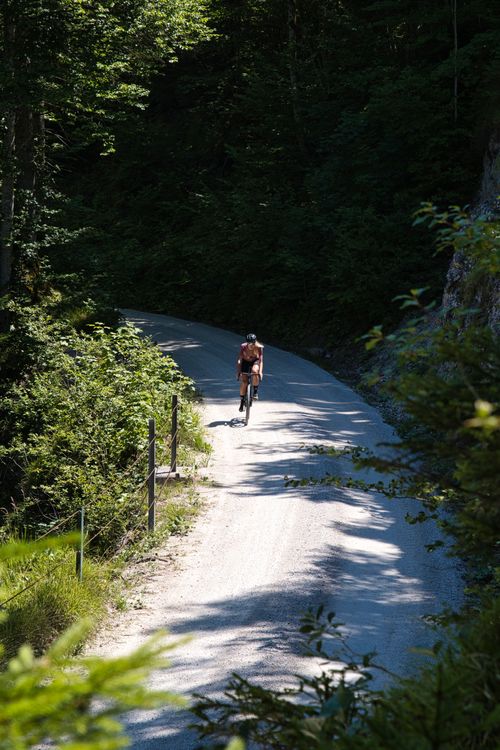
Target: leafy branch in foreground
x=54 y=696
x=73 y=702
x=477 y=238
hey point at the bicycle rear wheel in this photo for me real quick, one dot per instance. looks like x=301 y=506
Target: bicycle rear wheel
x=248 y=400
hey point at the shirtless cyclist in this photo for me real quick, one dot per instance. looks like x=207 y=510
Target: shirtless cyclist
x=250 y=362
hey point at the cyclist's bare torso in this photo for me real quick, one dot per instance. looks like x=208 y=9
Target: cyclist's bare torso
x=250 y=352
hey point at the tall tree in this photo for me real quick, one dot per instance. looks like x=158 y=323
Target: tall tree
x=78 y=62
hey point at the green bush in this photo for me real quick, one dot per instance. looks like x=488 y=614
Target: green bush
x=75 y=430
x=448 y=383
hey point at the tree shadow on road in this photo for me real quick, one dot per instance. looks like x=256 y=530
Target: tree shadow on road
x=382 y=597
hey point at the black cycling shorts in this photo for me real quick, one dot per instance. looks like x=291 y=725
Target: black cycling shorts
x=246 y=366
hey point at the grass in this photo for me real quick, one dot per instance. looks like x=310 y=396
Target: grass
x=47 y=597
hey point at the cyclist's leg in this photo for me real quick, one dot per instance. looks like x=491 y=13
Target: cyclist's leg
x=255 y=380
x=245 y=369
x=243 y=384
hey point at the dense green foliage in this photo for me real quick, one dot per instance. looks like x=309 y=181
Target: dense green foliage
x=458 y=372
x=74 y=426
x=80 y=61
x=284 y=158
x=70 y=70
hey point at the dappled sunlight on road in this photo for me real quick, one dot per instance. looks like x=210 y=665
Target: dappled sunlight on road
x=263 y=551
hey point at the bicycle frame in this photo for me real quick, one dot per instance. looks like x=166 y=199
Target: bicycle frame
x=248 y=392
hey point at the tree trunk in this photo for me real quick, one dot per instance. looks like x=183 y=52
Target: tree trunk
x=8 y=199
x=292 y=71
x=455 y=58
x=8 y=168
x=39 y=155
x=23 y=159
x=25 y=149
x=24 y=265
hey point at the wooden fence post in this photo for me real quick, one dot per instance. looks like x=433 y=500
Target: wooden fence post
x=173 y=446
x=79 y=552
x=151 y=475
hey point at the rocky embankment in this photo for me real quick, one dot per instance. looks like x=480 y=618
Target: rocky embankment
x=465 y=287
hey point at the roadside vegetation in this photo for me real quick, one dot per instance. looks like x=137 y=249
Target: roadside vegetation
x=54 y=601
x=74 y=434
x=75 y=426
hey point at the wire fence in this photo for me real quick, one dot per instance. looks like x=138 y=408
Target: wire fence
x=118 y=514
x=150 y=480
x=58 y=525
x=32 y=583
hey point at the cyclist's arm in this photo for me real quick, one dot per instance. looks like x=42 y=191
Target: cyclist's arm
x=261 y=363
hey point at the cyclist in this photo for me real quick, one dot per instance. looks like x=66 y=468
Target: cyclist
x=250 y=361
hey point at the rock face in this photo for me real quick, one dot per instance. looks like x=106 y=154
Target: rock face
x=488 y=201
x=463 y=287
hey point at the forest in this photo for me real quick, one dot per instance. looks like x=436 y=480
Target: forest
x=273 y=152
x=311 y=168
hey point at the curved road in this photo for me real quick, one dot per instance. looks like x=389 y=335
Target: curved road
x=260 y=553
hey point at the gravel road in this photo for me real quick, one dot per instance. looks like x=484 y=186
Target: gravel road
x=261 y=553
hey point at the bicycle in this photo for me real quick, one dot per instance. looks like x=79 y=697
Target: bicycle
x=248 y=394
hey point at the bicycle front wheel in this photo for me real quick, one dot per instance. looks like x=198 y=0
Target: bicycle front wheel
x=248 y=401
